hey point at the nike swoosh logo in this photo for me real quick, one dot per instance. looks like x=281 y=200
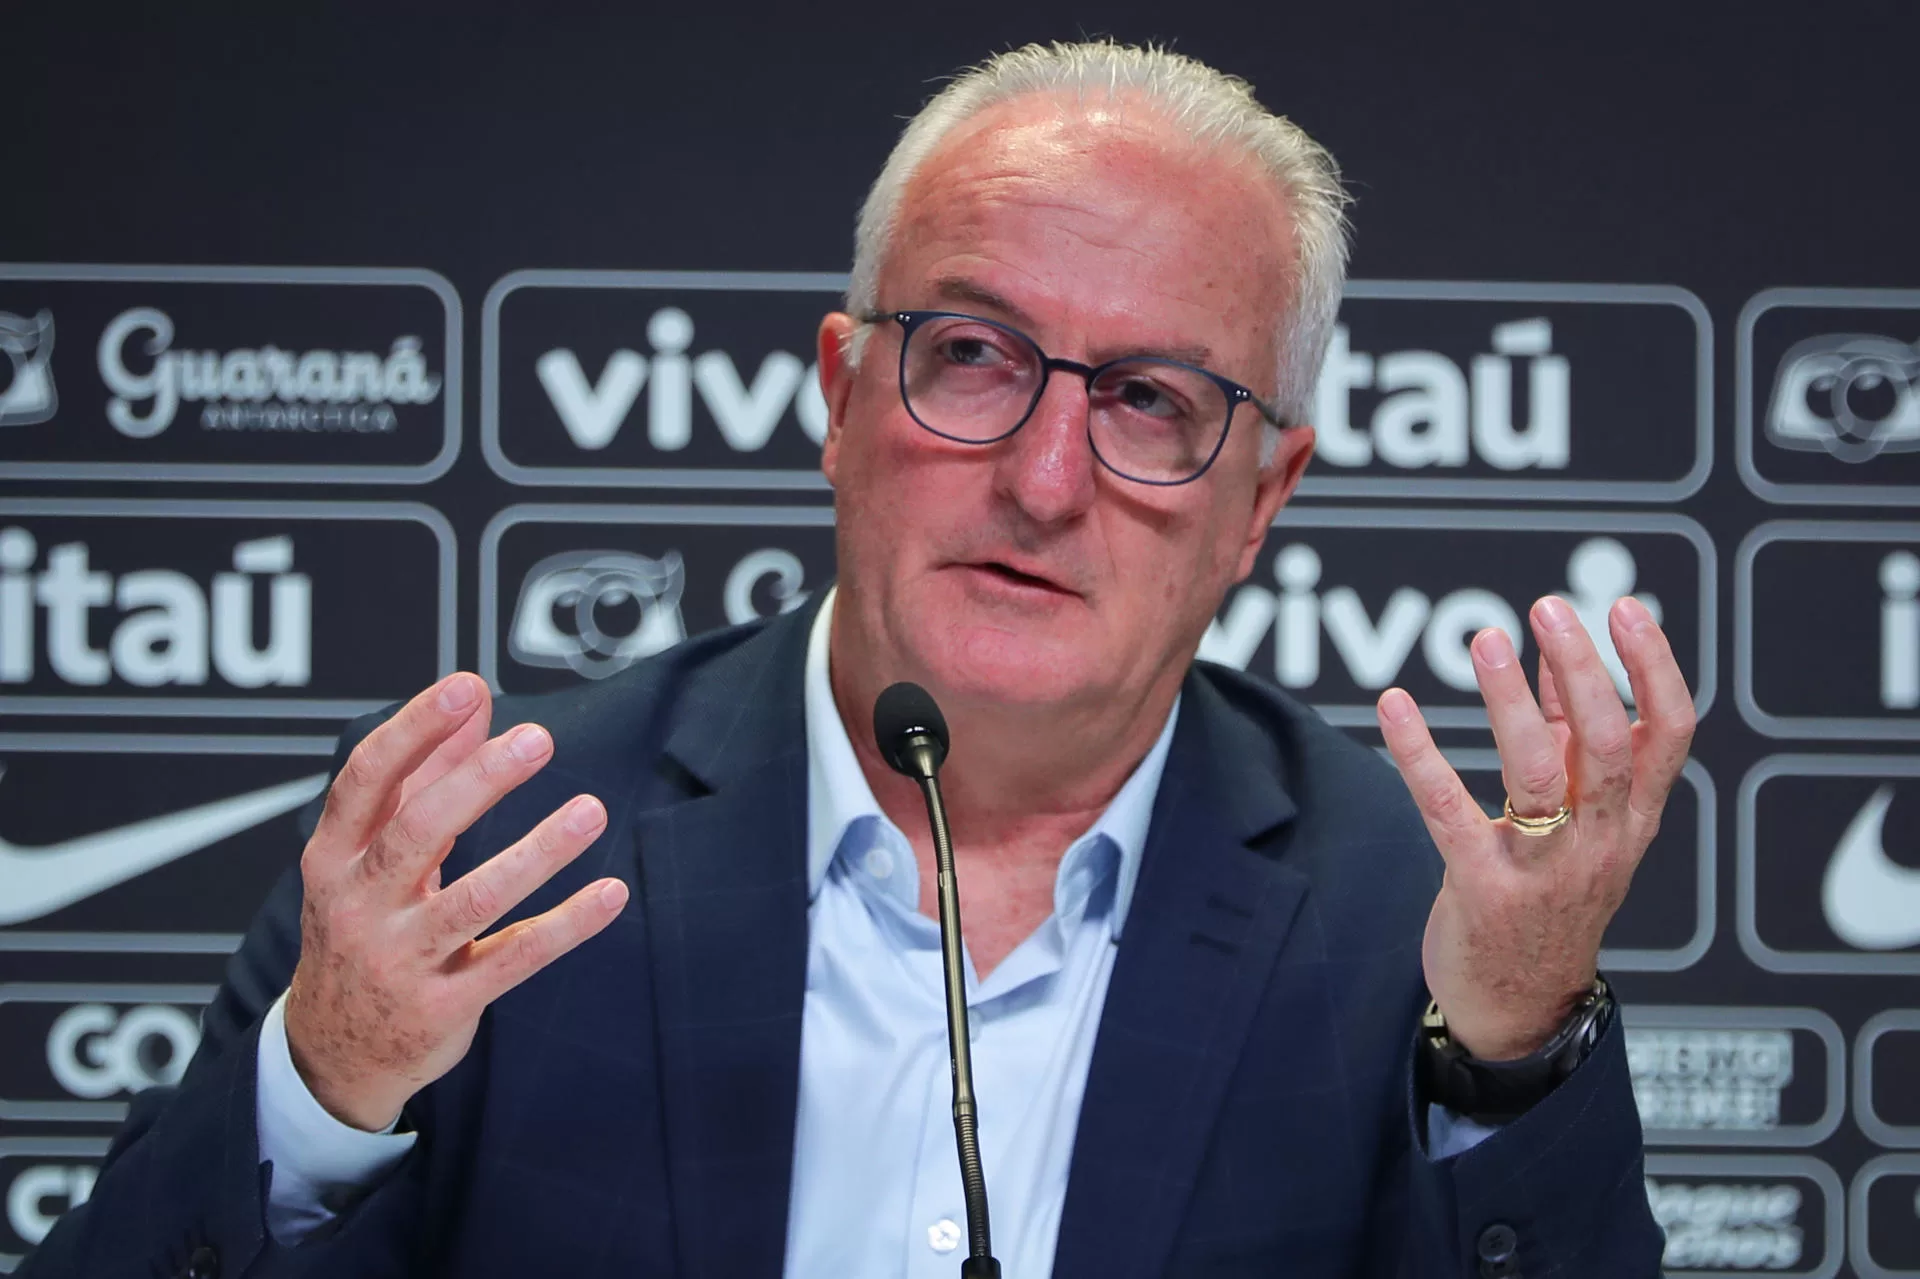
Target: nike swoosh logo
x=36 y=881
x=1871 y=901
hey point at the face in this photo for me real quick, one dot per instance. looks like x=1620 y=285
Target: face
x=1024 y=573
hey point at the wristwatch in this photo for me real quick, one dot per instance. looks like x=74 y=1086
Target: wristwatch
x=1496 y=1092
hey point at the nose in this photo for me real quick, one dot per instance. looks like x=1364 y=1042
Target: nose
x=1046 y=468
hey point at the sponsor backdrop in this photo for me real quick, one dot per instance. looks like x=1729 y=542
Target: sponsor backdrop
x=335 y=353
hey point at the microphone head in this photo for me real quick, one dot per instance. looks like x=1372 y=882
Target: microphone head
x=901 y=714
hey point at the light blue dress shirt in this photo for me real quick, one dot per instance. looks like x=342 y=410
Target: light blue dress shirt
x=876 y=1180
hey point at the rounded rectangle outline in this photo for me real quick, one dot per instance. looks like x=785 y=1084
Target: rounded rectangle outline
x=167 y=707
x=1723 y=1017
x=1864 y=1266
x=1892 y=728
x=1876 y=1128
x=1705 y=880
x=1314 y=487
x=1343 y=716
x=452 y=382
x=146 y=744
x=91 y=1148
x=1829 y=963
x=1743 y=436
x=1818 y=1171
x=58 y=992
x=708 y=477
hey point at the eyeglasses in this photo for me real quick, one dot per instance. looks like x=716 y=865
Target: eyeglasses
x=1150 y=420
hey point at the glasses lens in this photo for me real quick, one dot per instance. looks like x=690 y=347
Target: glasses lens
x=1157 y=421
x=967 y=379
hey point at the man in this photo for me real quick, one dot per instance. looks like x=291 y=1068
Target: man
x=1092 y=288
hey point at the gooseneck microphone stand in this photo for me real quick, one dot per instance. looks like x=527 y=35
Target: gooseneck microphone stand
x=912 y=736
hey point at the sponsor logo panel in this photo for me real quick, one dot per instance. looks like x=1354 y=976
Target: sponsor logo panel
x=40 y=1178
x=1549 y=392
x=1828 y=395
x=573 y=592
x=1734 y=1214
x=1343 y=604
x=1667 y=922
x=1826 y=877
x=1431 y=389
x=244 y=374
x=1859 y=675
x=192 y=833
x=102 y=1044
x=656 y=378
x=221 y=608
x=1735 y=1076
x=1883 y=1218
x=1886 y=1067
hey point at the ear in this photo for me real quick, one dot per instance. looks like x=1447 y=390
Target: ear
x=1278 y=479
x=833 y=350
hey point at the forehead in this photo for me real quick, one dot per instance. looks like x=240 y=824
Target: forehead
x=1098 y=210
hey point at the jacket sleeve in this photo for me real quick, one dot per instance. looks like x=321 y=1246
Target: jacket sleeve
x=183 y=1183
x=1559 y=1191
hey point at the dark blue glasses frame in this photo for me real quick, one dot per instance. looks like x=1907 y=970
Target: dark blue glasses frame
x=1236 y=394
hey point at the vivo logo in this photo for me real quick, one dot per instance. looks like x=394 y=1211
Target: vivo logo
x=744 y=411
x=1307 y=615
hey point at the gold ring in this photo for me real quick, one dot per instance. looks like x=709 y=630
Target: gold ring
x=1538 y=825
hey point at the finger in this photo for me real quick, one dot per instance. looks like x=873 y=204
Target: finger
x=466 y=739
x=426 y=825
x=1454 y=820
x=496 y=964
x=365 y=793
x=1600 y=757
x=1665 y=704
x=1531 y=763
x=475 y=902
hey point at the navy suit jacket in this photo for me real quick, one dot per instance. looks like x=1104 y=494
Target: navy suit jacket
x=630 y=1111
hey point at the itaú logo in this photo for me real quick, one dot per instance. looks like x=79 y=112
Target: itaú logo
x=170 y=625
x=1434 y=413
x=97 y=1051
x=745 y=412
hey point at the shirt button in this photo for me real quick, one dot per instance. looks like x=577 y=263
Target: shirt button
x=879 y=863
x=943 y=1235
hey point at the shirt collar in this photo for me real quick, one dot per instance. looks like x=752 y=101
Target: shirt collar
x=838 y=794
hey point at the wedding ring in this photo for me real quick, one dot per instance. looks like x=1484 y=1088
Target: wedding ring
x=1537 y=825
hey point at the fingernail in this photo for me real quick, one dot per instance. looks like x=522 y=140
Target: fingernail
x=613 y=896
x=1554 y=613
x=1493 y=648
x=529 y=743
x=459 y=693
x=1396 y=705
x=583 y=815
x=1634 y=614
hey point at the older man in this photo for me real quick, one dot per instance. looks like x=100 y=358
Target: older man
x=1092 y=288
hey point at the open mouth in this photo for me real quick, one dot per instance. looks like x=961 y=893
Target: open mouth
x=1016 y=577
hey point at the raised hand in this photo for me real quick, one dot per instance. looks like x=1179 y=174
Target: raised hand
x=1514 y=937
x=391 y=981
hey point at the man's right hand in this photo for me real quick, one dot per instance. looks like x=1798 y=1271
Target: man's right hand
x=391 y=981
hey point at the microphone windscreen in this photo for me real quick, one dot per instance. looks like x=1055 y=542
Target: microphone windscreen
x=901 y=713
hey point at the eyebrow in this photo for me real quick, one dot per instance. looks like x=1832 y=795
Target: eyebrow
x=957 y=288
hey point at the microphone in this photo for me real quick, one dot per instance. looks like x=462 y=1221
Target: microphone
x=912 y=736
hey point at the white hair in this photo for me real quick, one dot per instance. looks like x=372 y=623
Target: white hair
x=1214 y=109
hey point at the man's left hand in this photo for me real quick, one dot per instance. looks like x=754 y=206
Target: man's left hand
x=1514 y=937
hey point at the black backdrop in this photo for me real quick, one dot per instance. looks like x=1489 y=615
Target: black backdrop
x=1607 y=202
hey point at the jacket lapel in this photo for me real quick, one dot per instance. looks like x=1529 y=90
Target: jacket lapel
x=724 y=885
x=1207 y=920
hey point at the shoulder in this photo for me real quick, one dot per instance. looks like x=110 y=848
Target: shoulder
x=1354 y=822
